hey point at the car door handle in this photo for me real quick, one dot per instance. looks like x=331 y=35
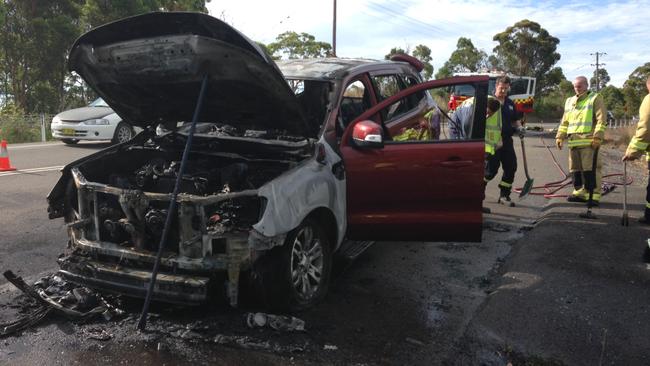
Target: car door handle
x=452 y=163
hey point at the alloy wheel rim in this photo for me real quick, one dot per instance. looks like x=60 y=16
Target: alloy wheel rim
x=124 y=134
x=306 y=263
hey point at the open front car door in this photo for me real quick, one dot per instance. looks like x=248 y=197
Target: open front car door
x=418 y=175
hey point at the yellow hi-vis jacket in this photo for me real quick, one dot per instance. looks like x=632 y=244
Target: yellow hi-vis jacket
x=640 y=143
x=583 y=119
x=493 y=132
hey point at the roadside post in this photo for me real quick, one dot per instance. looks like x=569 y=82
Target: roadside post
x=42 y=127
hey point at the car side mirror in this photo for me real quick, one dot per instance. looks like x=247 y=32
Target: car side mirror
x=367 y=134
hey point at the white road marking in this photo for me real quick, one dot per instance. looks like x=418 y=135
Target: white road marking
x=32 y=170
x=34 y=146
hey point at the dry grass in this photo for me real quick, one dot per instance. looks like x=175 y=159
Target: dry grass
x=619 y=137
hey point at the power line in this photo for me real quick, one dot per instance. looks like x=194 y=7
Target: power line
x=393 y=20
x=410 y=4
x=580 y=67
x=393 y=13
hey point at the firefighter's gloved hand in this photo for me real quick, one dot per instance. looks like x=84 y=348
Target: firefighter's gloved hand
x=596 y=142
x=559 y=143
x=632 y=154
x=521 y=130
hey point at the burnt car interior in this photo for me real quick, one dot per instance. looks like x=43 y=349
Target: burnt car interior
x=313 y=97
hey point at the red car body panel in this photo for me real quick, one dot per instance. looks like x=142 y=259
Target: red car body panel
x=429 y=192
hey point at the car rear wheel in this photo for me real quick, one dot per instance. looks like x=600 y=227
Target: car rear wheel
x=296 y=276
x=70 y=141
x=123 y=133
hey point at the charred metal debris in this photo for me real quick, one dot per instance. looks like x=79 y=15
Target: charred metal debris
x=53 y=295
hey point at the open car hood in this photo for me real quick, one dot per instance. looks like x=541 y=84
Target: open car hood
x=149 y=69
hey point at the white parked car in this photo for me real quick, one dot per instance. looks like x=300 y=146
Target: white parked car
x=97 y=121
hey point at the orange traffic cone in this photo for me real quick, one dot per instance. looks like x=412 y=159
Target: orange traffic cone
x=5 y=165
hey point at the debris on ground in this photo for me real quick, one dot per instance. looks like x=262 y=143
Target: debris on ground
x=277 y=322
x=330 y=347
x=97 y=333
x=55 y=295
x=24 y=322
x=414 y=341
x=498 y=228
x=247 y=342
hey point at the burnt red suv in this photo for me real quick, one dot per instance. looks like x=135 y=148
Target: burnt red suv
x=288 y=162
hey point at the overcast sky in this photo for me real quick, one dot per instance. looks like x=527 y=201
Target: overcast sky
x=370 y=28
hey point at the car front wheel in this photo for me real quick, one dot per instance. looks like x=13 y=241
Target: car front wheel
x=123 y=133
x=70 y=141
x=297 y=275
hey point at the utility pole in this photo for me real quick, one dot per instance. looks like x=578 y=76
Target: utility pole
x=334 y=31
x=598 y=67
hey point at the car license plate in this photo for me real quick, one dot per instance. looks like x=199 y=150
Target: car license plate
x=67 y=131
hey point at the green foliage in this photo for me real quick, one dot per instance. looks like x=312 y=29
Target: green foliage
x=603 y=79
x=395 y=51
x=36 y=36
x=614 y=100
x=550 y=106
x=527 y=49
x=421 y=52
x=552 y=80
x=294 y=45
x=265 y=48
x=466 y=58
x=98 y=12
x=16 y=127
x=444 y=72
x=566 y=87
x=634 y=88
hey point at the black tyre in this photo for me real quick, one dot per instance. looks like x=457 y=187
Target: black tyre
x=123 y=133
x=70 y=141
x=296 y=276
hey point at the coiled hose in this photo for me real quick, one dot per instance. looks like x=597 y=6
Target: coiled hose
x=550 y=189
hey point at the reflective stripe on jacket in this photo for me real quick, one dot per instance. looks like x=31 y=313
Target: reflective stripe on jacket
x=493 y=132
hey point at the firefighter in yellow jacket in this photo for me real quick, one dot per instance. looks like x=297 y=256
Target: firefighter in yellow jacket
x=640 y=144
x=583 y=126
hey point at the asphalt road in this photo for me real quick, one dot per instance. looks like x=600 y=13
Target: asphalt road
x=543 y=287
x=29 y=241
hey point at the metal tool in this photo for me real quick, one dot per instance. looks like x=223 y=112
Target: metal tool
x=528 y=186
x=625 y=221
x=142 y=322
x=590 y=203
